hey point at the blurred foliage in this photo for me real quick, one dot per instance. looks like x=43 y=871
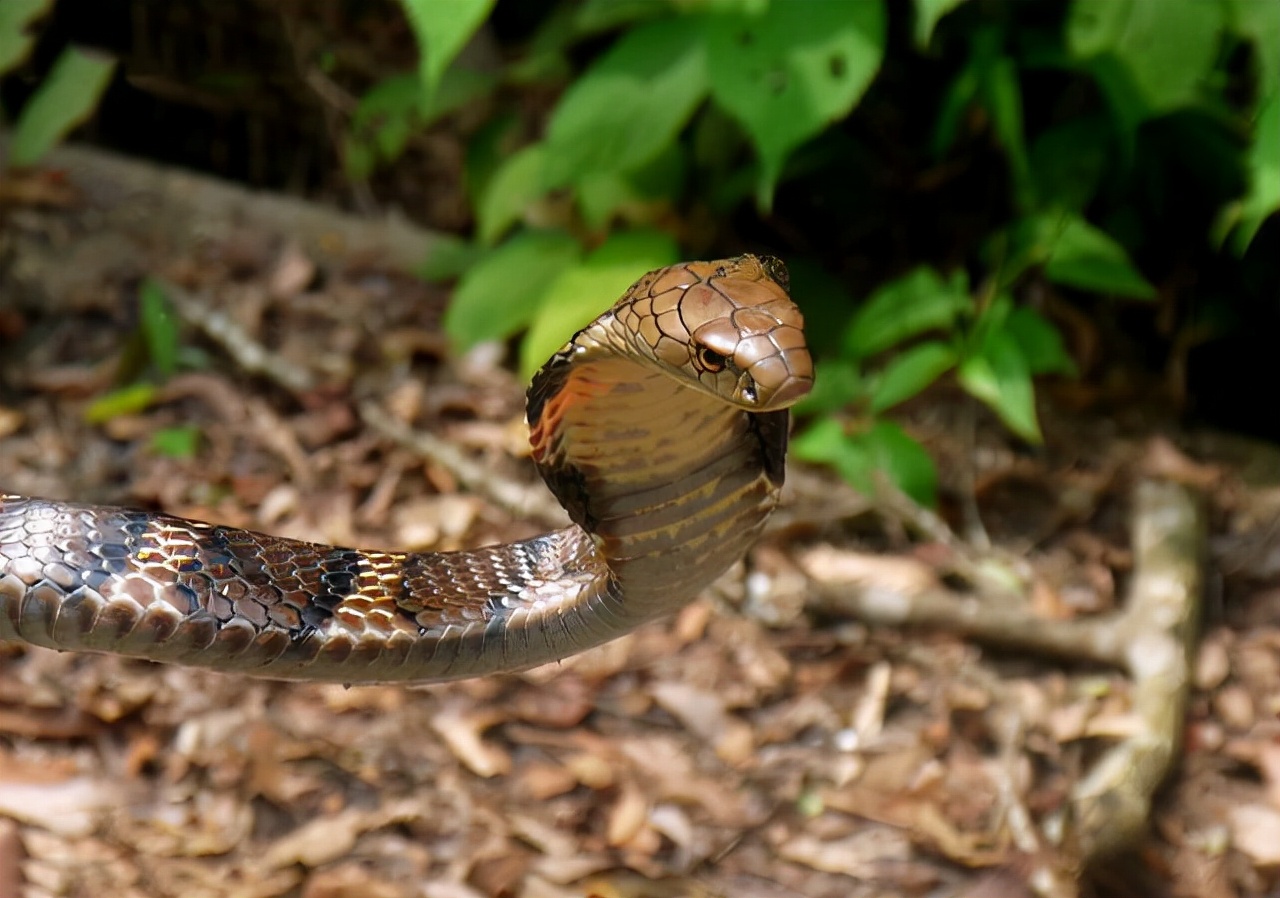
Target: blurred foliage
x=950 y=181
x=154 y=353
x=65 y=98
x=662 y=98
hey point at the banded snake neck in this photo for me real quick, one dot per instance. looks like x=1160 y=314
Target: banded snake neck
x=661 y=427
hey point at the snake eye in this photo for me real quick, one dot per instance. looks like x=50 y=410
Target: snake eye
x=710 y=359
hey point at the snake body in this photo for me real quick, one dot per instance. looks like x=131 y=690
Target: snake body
x=661 y=427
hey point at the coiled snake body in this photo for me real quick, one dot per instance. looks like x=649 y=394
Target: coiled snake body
x=661 y=427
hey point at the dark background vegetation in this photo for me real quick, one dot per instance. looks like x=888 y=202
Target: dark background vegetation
x=269 y=94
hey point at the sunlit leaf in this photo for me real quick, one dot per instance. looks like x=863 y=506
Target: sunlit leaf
x=66 y=97
x=502 y=292
x=787 y=74
x=630 y=105
x=584 y=290
x=442 y=29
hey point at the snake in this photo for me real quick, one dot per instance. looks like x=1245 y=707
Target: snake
x=661 y=427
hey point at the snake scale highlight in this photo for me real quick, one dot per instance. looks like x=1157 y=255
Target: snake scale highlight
x=661 y=427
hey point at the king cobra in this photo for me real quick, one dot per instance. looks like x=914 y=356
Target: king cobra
x=661 y=427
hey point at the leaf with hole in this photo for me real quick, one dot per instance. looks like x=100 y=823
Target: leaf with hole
x=788 y=73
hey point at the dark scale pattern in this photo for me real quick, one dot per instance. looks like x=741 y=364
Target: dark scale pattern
x=661 y=427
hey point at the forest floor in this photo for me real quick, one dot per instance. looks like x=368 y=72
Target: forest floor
x=747 y=748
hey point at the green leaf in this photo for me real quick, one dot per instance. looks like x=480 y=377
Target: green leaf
x=15 y=17
x=176 y=442
x=512 y=188
x=838 y=384
x=787 y=74
x=857 y=457
x=913 y=304
x=1003 y=98
x=1246 y=216
x=1165 y=49
x=596 y=16
x=65 y=98
x=912 y=371
x=905 y=461
x=1067 y=161
x=999 y=376
x=159 y=327
x=448 y=257
x=630 y=105
x=125 y=401
x=1040 y=342
x=391 y=111
x=638 y=195
x=442 y=28
x=928 y=13
x=827 y=443
x=583 y=291
x=1259 y=21
x=1087 y=258
x=501 y=293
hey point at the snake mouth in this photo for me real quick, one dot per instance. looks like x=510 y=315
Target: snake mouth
x=761 y=397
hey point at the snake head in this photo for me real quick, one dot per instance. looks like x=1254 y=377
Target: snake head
x=728 y=326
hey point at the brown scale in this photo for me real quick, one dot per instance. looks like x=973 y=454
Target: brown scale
x=661 y=427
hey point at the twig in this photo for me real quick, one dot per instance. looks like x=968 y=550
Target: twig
x=1156 y=639
x=519 y=500
x=252 y=356
x=246 y=352
x=1152 y=639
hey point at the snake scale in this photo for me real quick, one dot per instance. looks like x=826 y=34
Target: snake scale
x=661 y=427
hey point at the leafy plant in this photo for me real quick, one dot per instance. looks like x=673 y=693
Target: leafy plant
x=153 y=355
x=66 y=97
x=934 y=326
x=689 y=108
